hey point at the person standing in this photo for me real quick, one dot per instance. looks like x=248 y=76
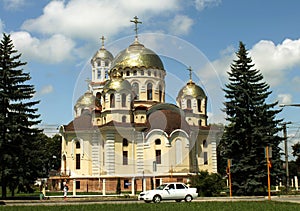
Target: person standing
x=65 y=190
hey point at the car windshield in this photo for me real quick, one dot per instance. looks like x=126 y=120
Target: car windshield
x=161 y=187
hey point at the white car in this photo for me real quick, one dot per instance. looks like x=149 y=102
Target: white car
x=169 y=191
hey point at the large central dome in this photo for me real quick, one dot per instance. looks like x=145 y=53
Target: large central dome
x=136 y=55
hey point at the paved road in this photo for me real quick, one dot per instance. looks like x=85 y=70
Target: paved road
x=60 y=201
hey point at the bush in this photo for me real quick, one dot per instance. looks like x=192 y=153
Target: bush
x=208 y=184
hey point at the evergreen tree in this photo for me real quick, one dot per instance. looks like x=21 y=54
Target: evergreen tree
x=17 y=118
x=251 y=127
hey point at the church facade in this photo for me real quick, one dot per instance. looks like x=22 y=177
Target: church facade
x=123 y=131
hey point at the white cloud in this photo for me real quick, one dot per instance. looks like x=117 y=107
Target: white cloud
x=202 y=4
x=275 y=60
x=89 y=19
x=181 y=24
x=13 y=4
x=53 y=50
x=285 y=98
x=46 y=90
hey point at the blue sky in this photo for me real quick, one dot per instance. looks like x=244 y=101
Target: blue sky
x=58 y=38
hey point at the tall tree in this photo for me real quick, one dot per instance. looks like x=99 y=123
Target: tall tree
x=17 y=117
x=251 y=127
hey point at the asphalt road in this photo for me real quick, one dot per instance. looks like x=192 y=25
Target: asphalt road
x=69 y=201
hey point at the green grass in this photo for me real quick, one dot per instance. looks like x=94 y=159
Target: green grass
x=207 y=206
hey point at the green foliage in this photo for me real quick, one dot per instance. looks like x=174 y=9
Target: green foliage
x=17 y=120
x=251 y=127
x=208 y=184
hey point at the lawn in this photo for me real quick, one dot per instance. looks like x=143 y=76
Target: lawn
x=206 y=206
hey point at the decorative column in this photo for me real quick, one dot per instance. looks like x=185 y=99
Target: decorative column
x=132 y=186
x=74 y=187
x=103 y=187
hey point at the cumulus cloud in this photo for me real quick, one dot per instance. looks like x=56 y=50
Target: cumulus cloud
x=53 y=50
x=275 y=60
x=181 y=24
x=13 y=4
x=46 y=90
x=88 y=19
x=202 y=4
x=285 y=98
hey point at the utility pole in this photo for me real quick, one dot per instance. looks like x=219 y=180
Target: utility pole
x=286 y=154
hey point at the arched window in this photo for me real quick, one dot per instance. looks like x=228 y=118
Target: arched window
x=142 y=72
x=155 y=73
x=160 y=93
x=149 y=91
x=112 y=100
x=125 y=142
x=77 y=145
x=204 y=144
x=188 y=103
x=135 y=89
x=157 y=142
x=149 y=73
x=134 y=72
x=123 y=100
x=123 y=118
x=127 y=73
x=178 y=148
x=199 y=105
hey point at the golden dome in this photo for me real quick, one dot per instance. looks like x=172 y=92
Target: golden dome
x=117 y=83
x=86 y=100
x=102 y=53
x=136 y=55
x=191 y=89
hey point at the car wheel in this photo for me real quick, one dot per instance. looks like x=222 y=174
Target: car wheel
x=188 y=198
x=156 y=199
x=178 y=200
x=147 y=201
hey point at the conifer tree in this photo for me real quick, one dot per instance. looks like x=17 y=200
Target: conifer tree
x=17 y=118
x=251 y=127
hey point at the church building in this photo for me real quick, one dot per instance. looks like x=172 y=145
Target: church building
x=123 y=131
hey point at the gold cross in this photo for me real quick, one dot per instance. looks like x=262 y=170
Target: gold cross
x=102 y=39
x=136 y=22
x=190 y=69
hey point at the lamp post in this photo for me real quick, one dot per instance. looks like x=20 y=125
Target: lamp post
x=286 y=146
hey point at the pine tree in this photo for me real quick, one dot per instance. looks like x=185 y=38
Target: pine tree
x=17 y=118
x=251 y=127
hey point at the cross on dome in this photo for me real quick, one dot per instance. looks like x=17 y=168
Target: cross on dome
x=136 y=22
x=102 y=40
x=190 y=69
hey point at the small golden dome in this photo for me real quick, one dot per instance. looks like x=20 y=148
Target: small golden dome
x=191 y=89
x=86 y=100
x=136 y=55
x=103 y=54
x=117 y=83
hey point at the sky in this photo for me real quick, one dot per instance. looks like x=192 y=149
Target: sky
x=57 y=39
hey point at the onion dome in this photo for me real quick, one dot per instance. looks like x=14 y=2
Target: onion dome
x=102 y=54
x=191 y=89
x=166 y=117
x=117 y=83
x=137 y=55
x=87 y=100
